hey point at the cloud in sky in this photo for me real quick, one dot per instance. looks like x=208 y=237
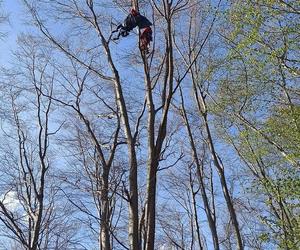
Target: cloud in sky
x=10 y=200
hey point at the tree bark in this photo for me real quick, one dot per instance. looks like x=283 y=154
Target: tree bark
x=220 y=169
x=211 y=221
x=105 y=216
x=155 y=143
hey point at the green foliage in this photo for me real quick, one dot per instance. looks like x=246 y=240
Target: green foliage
x=261 y=83
x=276 y=180
x=284 y=127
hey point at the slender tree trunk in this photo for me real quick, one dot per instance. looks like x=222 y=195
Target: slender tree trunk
x=196 y=217
x=210 y=218
x=39 y=192
x=152 y=162
x=37 y=225
x=133 y=185
x=151 y=206
x=156 y=143
x=211 y=221
x=201 y=105
x=133 y=208
x=223 y=181
x=105 y=217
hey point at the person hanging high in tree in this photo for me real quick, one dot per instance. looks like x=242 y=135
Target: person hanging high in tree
x=145 y=39
x=135 y=19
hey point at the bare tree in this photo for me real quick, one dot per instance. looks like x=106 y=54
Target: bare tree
x=88 y=14
x=97 y=175
x=142 y=165
x=29 y=207
x=199 y=91
x=209 y=210
x=3 y=19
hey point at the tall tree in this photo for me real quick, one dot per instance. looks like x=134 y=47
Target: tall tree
x=29 y=206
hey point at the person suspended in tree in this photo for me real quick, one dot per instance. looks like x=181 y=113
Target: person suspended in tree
x=135 y=19
x=145 y=39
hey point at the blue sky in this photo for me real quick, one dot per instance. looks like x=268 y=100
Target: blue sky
x=15 y=27
x=16 y=15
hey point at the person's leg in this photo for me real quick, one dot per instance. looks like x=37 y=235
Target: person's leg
x=119 y=28
x=147 y=38
x=124 y=33
x=144 y=44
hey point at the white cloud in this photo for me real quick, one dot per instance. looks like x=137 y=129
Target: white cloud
x=10 y=200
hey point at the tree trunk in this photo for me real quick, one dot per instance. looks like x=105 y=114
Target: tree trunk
x=151 y=206
x=225 y=190
x=133 y=203
x=201 y=105
x=105 y=217
x=208 y=212
x=196 y=218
